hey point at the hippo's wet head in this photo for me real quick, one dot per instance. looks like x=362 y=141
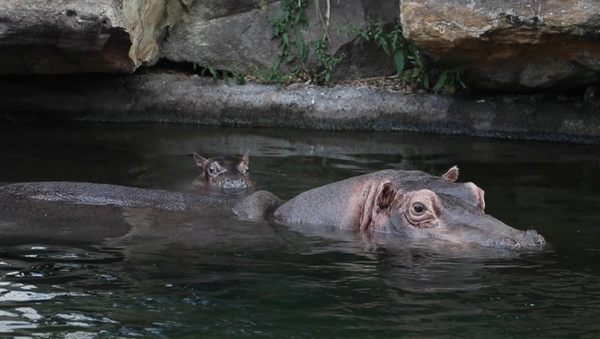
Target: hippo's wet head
x=226 y=172
x=439 y=208
x=412 y=204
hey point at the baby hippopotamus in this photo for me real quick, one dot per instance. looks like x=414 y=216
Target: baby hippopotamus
x=224 y=172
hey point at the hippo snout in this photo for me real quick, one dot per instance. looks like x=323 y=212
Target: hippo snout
x=229 y=183
x=531 y=239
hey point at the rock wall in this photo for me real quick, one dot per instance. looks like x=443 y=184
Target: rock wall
x=197 y=100
x=510 y=44
x=118 y=36
x=224 y=35
x=62 y=36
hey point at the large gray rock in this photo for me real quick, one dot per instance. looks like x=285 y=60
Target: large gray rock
x=243 y=39
x=510 y=44
x=64 y=36
x=220 y=35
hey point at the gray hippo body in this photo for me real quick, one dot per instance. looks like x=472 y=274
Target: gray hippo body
x=405 y=204
x=411 y=204
x=90 y=214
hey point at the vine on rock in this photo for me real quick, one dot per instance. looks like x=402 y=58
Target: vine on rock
x=294 y=53
x=410 y=67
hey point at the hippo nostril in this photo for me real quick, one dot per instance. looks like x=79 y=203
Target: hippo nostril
x=507 y=242
x=537 y=239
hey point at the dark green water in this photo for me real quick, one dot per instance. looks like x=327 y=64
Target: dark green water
x=313 y=286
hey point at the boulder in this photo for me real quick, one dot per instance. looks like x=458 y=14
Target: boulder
x=366 y=59
x=63 y=36
x=220 y=35
x=511 y=44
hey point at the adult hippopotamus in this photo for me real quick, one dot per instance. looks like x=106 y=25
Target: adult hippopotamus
x=407 y=204
x=224 y=172
x=411 y=204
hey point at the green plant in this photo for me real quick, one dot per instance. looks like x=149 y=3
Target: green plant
x=293 y=50
x=417 y=74
x=294 y=14
x=410 y=68
x=400 y=48
x=234 y=72
x=409 y=64
x=450 y=79
x=272 y=75
x=208 y=68
x=237 y=74
x=326 y=63
x=392 y=42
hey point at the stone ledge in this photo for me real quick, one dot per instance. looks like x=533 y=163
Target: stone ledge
x=193 y=100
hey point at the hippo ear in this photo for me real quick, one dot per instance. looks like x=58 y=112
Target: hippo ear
x=386 y=195
x=200 y=160
x=452 y=174
x=379 y=198
x=246 y=158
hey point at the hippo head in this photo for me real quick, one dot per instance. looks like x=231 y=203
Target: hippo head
x=426 y=206
x=226 y=172
x=411 y=204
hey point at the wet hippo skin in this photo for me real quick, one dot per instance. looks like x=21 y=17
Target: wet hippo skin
x=409 y=204
x=89 y=213
x=21 y=218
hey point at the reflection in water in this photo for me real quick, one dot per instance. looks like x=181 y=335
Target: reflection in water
x=263 y=280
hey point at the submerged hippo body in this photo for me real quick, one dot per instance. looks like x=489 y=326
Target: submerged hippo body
x=411 y=204
x=407 y=204
x=224 y=172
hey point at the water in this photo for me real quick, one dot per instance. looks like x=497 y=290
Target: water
x=305 y=285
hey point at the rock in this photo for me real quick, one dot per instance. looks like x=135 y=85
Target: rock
x=592 y=95
x=196 y=100
x=243 y=39
x=220 y=35
x=62 y=36
x=369 y=60
x=208 y=10
x=509 y=45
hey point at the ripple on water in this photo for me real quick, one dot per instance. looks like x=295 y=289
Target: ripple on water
x=43 y=309
x=311 y=287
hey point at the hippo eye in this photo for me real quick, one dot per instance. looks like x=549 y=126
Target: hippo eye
x=418 y=208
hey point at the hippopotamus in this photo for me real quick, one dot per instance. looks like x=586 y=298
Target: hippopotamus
x=223 y=172
x=410 y=204
x=391 y=203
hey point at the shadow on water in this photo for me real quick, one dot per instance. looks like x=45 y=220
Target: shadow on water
x=207 y=276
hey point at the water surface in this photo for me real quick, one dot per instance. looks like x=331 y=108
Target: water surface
x=307 y=285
